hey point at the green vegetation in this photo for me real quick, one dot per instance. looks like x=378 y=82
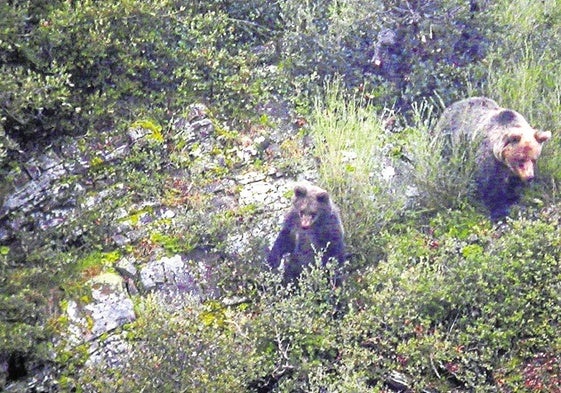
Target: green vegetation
x=443 y=172
x=523 y=72
x=355 y=147
x=450 y=309
x=435 y=293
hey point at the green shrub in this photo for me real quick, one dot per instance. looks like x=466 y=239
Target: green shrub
x=452 y=312
x=436 y=47
x=457 y=304
x=285 y=337
x=178 y=351
x=82 y=66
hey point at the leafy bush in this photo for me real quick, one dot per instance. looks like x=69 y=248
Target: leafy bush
x=178 y=350
x=79 y=66
x=462 y=311
x=280 y=341
x=454 y=305
x=82 y=66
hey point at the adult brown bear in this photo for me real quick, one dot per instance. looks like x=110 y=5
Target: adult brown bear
x=506 y=148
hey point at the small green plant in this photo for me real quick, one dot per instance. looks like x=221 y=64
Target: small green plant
x=155 y=129
x=172 y=244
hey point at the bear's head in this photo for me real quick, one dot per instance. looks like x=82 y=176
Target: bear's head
x=518 y=145
x=312 y=204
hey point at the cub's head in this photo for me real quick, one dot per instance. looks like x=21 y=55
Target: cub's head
x=311 y=203
x=518 y=145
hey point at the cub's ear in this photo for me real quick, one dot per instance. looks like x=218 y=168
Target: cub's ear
x=542 y=136
x=322 y=197
x=300 y=191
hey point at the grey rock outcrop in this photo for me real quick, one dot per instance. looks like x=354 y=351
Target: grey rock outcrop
x=51 y=193
x=110 y=308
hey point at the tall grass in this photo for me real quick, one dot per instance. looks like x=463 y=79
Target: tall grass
x=355 y=151
x=530 y=85
x=524 y=64
x=379 y=177
x=442 y=171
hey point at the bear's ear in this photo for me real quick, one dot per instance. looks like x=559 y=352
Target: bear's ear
x=300 y=191
x=504 y=117
x=322 y=197
x=542 y=136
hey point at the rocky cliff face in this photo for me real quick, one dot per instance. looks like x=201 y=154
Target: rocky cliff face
x=146 y=212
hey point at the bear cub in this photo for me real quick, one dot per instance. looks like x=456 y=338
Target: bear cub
x=506 y=149
x=312 y=226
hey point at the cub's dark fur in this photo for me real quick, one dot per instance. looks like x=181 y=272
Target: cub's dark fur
x=312 y=226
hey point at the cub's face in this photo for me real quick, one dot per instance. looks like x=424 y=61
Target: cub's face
x=311 y=203
x=521 y=151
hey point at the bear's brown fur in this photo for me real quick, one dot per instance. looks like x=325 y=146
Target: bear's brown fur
x=313 y=225
x=507 y=148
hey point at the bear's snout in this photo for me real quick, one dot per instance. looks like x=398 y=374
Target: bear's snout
x=523 y=168
x=526 y=174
